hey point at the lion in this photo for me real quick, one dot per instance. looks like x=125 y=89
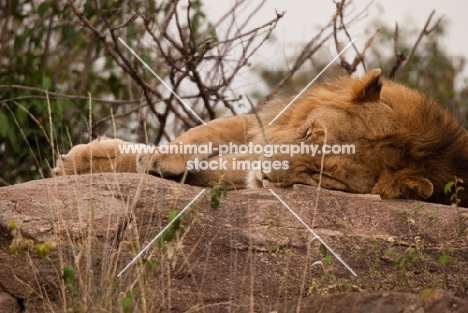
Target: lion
x=406 y=146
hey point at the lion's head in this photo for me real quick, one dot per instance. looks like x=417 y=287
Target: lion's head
x=379 y=118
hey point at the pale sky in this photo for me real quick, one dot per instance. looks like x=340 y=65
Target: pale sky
x=303 y=18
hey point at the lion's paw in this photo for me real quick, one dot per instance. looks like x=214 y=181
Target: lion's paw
x=163 y=165
x=403 y=185
x=259 y=179
x=100 y=155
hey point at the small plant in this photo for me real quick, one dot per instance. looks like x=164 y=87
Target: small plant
x=328 y=282
x=173 y=230
x=127 y=301
x=43 y=249
x=461 y=220
x=402 y=261
x=215 y=194
x=69 y=275
x=19 y=244
x=444 y=259
x=270 y=220
x=219 y=187
x=172 y=238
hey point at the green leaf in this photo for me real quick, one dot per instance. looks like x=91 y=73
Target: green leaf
x=168 y=235
x=444 y=259
x=68 y=274
x=215 y=192
x=69 y=34
x=11 y=248
x=323 y=250
x=21 y=116
x=127 y=301
x=327 y=260
x=448 y=187
x=46 y=82
x=172 y=215
x=410 y=251
x=150 y=264
x=4 y=125
x=43 y=250
x=43 y=8
x=214 y=202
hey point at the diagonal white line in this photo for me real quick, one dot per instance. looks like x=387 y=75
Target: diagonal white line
x=160 y=233
x=313 y=80
x=313 y=232
x=162 y=81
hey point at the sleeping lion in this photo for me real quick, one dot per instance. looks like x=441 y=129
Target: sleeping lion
x=359 y=135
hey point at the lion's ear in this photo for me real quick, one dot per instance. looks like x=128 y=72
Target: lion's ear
x=367 y=88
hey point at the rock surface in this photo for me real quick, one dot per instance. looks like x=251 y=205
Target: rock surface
x=249 y=255
x=382 y=302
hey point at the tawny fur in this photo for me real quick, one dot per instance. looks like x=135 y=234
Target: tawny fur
x=407 y=146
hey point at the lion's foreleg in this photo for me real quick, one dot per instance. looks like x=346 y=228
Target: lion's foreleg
x=199 y=143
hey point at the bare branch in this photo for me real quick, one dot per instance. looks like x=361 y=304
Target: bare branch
x=309 y=50
x=315 y=43
x=339 y=11
x=84 y=20
x=198 y=56
x=400 y=59
x=360 y=56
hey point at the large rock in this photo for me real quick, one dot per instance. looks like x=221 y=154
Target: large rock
x=250 y=255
